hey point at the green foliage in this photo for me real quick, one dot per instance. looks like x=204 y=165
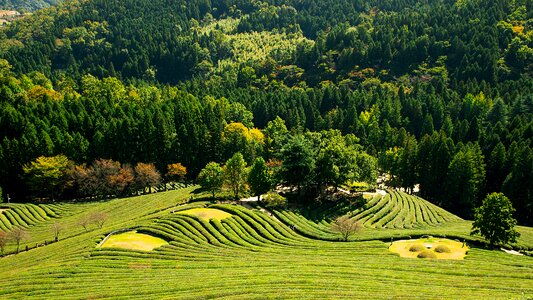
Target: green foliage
x=417 y=248
x=442 y=249
x=426 y=254
x=259 y=177
x=276 y=134
x=235 y=174
x=211 y=177
x=465 y=179
x=46 y=176
x=274 y=200
x=298 y=161
x=336 y=161
x=494 y=220
x=26 y=5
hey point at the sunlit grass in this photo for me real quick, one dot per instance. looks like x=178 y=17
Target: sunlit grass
x=441 y=248
x=206 y=213
x=134 y=241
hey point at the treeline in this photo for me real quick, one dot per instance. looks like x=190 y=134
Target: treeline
x=57 y=177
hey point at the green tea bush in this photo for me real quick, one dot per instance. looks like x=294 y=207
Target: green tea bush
x=427 y=254
x=442 y=249
x=416 y=248
x=274 y=200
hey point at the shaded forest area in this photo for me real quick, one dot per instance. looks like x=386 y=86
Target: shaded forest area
x=439 y=91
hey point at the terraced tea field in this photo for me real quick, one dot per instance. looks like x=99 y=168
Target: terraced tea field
x=252 y=254
x=25 y=215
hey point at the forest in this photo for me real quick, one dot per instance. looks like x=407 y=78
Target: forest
x=26 y=6
x=438 y=93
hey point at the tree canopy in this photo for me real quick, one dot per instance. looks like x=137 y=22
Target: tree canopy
x=494 y=220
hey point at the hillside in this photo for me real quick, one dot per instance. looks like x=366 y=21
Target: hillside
x=26 y=5
x=248 y=254
x=434 y=94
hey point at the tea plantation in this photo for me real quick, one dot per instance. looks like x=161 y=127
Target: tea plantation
x=253 y=253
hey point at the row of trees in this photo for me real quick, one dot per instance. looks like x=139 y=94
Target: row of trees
x=312 y=161
x=58 y=177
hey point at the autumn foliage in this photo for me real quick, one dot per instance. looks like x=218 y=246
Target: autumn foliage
x=176 y=172
x=59 y=177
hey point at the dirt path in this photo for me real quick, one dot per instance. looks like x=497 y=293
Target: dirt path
x=245 y=202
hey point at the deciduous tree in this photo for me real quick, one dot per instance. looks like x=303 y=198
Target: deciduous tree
x=146 y=176
x=259 y=178
x=298 y=162
x=46 y=176
x=211 y=177
x=99 y=218
x=494 y=220
x=235 y=174
x=4 y=238
x=84 y=222
x=176 y=172
x=346 y=226
x=17 y=235
x=56 y=229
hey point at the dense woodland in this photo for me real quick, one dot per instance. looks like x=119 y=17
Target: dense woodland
x=439 y=92
x=26 y=5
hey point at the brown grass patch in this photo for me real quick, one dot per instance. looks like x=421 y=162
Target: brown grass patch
x=139 y=266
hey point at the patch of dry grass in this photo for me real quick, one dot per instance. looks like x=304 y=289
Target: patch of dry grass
x=134 y=241
x=206 y=213
x=421 y=248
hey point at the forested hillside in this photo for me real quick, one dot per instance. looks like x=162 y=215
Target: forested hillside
x=440 y=91
x=26 y=5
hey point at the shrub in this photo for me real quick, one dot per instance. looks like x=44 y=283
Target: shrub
x=442 y=249
x=416 y=248
x=274 y=200
x=427 y=254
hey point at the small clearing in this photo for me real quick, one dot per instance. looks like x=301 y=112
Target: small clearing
x=206 y=213
x=134 y=241
x=435 y=248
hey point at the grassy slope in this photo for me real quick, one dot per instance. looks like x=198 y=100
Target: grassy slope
x=278 y=266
